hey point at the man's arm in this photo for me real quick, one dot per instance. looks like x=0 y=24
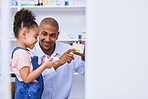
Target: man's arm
x=79 y=65
x=66 y=57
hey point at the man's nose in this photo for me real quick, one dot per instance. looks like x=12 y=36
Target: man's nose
x=47 y=39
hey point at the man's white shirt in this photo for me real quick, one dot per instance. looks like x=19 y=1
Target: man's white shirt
x=58 y=83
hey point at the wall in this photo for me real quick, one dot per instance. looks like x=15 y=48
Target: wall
x=117 y=49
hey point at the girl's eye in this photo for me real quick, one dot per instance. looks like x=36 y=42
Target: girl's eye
x=36 y=36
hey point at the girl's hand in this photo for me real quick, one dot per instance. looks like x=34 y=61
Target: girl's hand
x=49 y=63
x=42 y=60
x=35 y=81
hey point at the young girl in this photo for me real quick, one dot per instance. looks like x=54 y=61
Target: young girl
x=29 y=81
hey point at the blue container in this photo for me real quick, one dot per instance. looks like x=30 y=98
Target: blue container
x=79 y=36
x=66 y=3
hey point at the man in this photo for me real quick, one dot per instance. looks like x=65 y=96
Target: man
x=58 y=79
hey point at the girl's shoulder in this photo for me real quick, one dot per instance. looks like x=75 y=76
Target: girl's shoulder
x=21 y=56
x=21 y=53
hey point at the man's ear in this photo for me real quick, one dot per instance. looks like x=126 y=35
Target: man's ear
x=57 y=35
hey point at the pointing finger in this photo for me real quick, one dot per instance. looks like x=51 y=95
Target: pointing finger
x=70 y=50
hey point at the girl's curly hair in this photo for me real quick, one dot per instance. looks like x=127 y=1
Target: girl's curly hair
x=23 y=18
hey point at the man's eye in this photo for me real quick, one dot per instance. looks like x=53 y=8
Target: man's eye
x=53 y=35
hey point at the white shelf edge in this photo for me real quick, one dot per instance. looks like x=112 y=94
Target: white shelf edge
x=12 y=39
x=52 y=8
x=44 y=7
x=58 y=40
x=70 y=40
x=70 y=6
x=14 y=7
x=11 y=72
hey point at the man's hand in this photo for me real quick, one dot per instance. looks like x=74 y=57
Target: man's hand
x=66 y=57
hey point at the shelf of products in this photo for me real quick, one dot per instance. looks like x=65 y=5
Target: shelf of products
x=71 y=13
x=51 y=8
x=60 y=40
x=56 y=8
x=72 y=5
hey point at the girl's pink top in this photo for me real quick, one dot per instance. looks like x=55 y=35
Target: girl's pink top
x=21 y=59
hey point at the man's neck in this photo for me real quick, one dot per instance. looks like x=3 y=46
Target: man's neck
x=50 y=51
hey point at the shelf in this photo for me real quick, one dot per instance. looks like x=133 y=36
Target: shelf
x=70 y=40
x=14 y=7
x=13 y=75
x=12 y=39
x=53 y=8
x=60 y=40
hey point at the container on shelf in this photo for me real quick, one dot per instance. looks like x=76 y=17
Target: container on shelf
x=29 y=2
x=66 y=2
x=13 y=3
x=45 y=2
x=83 y=33
x=40 y=2
x=52 y=3
x=60 y=2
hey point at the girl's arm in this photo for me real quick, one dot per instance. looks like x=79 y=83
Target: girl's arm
x=28 y=76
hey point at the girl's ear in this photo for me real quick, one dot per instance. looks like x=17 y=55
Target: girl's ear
x=24 y=32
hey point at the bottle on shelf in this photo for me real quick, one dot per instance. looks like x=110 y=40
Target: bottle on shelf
x=45 y=2
x=60 y=2
x=13 y=3
x=66 y=2
x=83 y=33
x=79 y=36
x=29 y=2
x=40 y=2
